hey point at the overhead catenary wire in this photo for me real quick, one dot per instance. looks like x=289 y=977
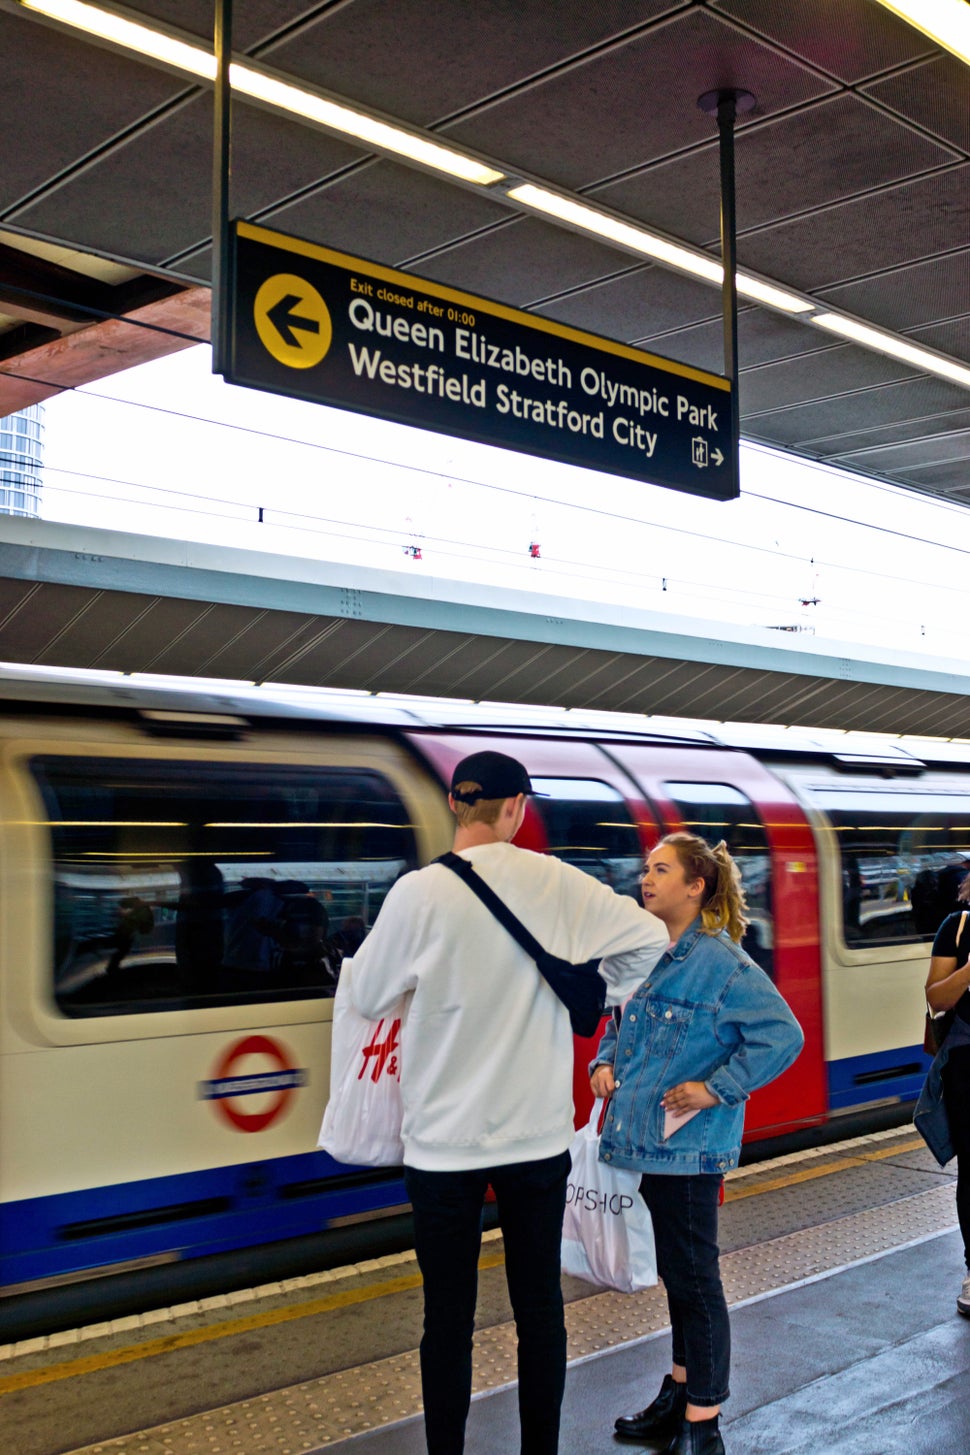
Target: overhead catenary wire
x=445 y=548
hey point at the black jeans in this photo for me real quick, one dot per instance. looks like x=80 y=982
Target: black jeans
x=684 y=1212
x=956 y=1099
x=531 y=1198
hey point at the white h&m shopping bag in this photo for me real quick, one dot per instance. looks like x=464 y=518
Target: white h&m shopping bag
x=607 y=1235
x=362 y=1122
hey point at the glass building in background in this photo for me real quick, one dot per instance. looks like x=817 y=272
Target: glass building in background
x=21 y=461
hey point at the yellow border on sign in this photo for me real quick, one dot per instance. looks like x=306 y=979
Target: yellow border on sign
x=476 y=303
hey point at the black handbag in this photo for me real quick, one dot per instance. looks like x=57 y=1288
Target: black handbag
x=581 y=988
x=936 y=1029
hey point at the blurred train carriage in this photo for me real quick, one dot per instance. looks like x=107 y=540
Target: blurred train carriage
x=183 y=869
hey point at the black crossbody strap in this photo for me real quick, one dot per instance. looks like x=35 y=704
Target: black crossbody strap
x=491 y=901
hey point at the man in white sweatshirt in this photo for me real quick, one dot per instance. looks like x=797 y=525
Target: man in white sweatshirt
x=486 y=1080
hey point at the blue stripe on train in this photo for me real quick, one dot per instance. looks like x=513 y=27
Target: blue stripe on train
x=876 y=1077
x=191 y=1214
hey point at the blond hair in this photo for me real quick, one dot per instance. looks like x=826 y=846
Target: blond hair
x=724 y=903
x=483 y=810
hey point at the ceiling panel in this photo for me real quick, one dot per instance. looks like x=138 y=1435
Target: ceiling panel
x=931 y=289
x=935 y=95
x=842 y=38
x=912 y=400
x=463 y=54
x=162 y=180
x=635 y=304
x=635 y=103
x=817 y=376
x=61 y=101
x=781 y=169
x=352 y=213
x=762 y=338
x=879 y=230
x=522 y=262
x=853 y=184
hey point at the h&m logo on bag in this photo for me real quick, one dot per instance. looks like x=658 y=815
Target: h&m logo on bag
x=380 y=1056
x=591 y=1199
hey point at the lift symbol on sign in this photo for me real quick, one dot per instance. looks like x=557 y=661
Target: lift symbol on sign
x=292 y=321
x=701 y=455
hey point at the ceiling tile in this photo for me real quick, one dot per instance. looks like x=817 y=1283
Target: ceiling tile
x=162 y=177
x=934 y=95
x=781 y=170
x=635 y=304
x=807 y=424
x=526 y=261
x=841 y=37
x=851 y=240
x=634 y=104
x=41 y=136
x=817 y=376
x=373 y=50
x=385 y=203
x=930 y=289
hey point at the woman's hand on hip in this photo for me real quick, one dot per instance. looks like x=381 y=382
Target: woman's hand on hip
x=601 y=1082
x=688 y=1096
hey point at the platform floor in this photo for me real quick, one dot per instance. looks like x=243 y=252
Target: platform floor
x=841 y=1265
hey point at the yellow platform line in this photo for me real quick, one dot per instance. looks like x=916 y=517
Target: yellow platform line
x=809 y=1174
x=92 y=1363
x=168 y=1343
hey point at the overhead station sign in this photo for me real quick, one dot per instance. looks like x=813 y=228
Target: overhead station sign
x=326 y=327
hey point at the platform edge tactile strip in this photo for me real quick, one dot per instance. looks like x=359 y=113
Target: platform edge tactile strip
x=321 y=1412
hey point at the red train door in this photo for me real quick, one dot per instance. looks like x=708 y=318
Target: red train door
x=725 y=794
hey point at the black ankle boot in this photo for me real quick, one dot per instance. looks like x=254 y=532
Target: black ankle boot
x=659 y=1420
x=697 y=1437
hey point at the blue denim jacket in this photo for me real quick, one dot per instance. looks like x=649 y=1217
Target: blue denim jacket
x=707 y=1013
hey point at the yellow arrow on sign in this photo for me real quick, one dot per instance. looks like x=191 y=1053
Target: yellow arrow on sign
x=292 y=321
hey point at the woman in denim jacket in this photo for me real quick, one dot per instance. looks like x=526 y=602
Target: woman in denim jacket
x=695 y=1040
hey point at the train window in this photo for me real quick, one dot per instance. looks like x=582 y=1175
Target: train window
x=903 y=857
x=181 y=884
x=716 y=811
x=588 y=824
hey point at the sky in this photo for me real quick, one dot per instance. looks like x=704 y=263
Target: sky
x=170 y=450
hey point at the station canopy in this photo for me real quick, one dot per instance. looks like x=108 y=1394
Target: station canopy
x=589 y=191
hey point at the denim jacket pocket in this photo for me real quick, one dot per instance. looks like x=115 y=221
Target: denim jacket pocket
x=668 y=1022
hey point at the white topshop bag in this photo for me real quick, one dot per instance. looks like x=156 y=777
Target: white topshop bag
x=607 y=1235
x=362 y=1122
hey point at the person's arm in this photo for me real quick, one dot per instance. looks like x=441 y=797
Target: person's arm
x=947 y=978
x=601 y=1067
x=946 y=982
x=760 y=1033
x=384 y=962
x=629 y=939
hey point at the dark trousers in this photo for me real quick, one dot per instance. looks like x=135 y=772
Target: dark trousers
x=956 y=1099
x=684 y=1212
x=531 y=1199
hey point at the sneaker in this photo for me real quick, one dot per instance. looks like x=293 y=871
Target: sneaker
x=963 y=1301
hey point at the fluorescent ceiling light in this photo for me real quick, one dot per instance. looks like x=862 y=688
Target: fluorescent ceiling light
x=380 y=134
x=128 y=33
x=945 y=21
x=637 y=239
x=897 y=348
x=282 y=95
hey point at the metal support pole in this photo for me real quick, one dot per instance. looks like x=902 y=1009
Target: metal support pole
x=728 y=104
x=221 y=177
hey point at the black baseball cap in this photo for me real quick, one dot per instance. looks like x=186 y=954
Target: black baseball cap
x=494 y=775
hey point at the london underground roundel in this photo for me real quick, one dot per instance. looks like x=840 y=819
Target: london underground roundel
x=256 y=1069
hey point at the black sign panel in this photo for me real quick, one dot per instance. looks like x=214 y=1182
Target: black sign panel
x=332 y=329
